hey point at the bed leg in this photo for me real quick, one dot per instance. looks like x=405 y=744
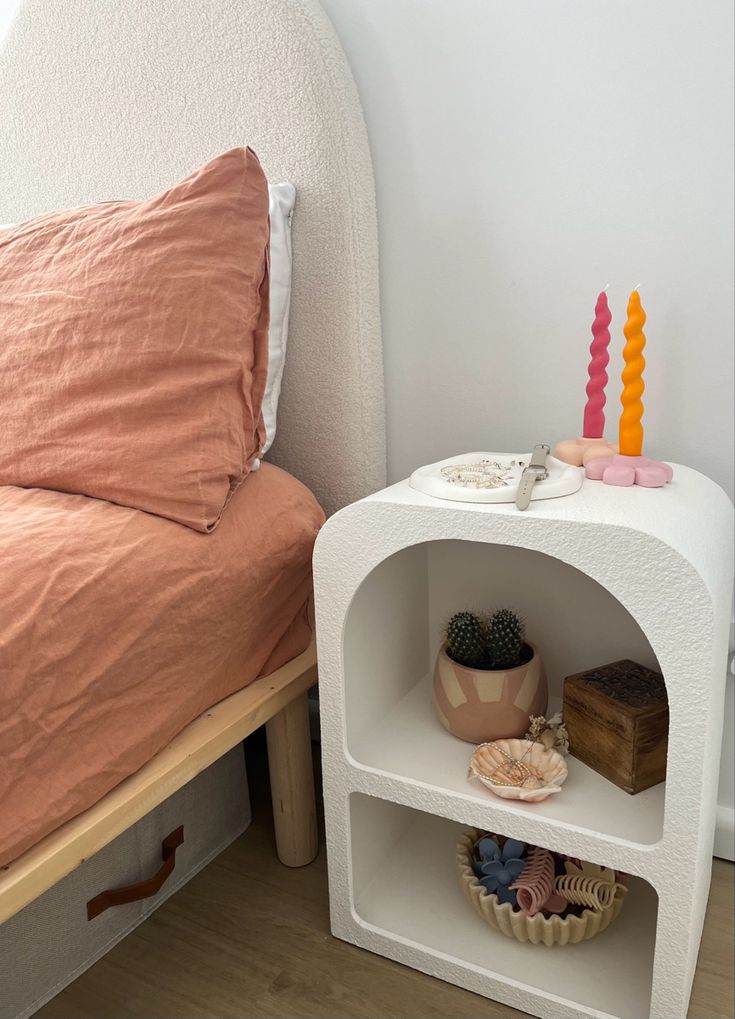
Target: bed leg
x=292 y=783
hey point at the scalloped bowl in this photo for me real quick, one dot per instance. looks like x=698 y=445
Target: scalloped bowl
x=538 y=929
x=543 y=771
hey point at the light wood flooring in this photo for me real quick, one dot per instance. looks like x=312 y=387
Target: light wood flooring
x=249 y=938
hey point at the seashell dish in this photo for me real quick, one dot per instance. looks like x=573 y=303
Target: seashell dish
x=518 y=769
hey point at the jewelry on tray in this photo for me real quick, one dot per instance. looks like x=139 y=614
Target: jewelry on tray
x=483 y=474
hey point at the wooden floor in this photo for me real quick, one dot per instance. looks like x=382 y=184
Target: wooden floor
x=249 y=938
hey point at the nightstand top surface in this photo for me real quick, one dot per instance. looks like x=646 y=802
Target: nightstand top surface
x=692 y=515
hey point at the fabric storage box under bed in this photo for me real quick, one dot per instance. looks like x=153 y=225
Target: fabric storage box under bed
x=50 y=942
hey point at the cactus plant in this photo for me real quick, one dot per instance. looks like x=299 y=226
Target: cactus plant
x=505 y=637
x=466 y=640
x=496 y=643
x=488 y=682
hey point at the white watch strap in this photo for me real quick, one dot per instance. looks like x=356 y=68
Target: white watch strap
x=525 y=489
x=536 y=471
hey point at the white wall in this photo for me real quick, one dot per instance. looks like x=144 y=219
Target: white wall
x=7 y=11
x=527 y=152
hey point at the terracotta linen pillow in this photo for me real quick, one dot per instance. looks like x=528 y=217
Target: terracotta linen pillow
x=134 y=345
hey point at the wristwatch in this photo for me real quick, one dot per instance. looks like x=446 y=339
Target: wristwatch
x=535 y=471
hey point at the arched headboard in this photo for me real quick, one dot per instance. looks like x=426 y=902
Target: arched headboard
x=101 y=99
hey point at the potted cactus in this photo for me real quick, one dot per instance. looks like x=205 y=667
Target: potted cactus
x=488 y=680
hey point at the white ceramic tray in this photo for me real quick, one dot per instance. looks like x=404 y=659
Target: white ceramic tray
x=498 y=474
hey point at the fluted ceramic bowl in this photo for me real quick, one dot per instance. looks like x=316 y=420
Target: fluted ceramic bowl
x=539 y=929
x=518 y=769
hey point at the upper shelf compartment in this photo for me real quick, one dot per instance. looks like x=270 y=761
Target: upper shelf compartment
x=391 y=635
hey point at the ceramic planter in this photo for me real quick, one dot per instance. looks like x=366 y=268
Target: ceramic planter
x=481 y=705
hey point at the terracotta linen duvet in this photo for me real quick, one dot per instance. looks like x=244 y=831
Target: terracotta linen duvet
x=118 y=628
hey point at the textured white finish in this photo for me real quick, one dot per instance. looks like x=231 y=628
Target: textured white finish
x=119 y=100
x=653 y=580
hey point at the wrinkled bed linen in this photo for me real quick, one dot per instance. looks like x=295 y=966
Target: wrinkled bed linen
x=118 y=628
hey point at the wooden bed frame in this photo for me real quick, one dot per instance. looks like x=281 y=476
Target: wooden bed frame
x=280 y=701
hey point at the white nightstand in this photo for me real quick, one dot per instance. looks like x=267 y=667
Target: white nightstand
x=604 y=574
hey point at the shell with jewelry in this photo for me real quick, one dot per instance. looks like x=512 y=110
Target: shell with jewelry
x=518 y=769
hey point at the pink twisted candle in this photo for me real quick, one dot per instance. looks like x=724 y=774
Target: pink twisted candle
x=536 y=882
x=594 y=416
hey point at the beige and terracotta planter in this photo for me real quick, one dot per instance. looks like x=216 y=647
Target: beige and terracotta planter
x=480 y=705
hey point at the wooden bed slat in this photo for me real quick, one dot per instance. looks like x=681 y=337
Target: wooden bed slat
x=201 y=743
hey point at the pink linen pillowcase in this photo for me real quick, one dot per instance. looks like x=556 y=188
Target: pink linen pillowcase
x=134 y=345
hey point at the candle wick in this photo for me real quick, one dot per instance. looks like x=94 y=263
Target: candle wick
x=637 y=286
x=606 y=288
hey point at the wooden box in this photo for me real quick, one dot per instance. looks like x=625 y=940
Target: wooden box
x=617 y=718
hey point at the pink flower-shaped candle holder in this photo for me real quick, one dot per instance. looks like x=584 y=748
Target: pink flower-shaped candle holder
x=629 y=470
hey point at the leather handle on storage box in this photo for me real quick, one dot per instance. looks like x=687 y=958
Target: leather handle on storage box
x=143 y=889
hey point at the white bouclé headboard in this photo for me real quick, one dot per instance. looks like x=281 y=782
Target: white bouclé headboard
x=106 y=99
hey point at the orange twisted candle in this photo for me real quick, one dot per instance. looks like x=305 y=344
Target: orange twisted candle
x=631 y=429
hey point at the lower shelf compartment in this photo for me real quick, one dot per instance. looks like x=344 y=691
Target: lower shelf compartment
x=406 y=889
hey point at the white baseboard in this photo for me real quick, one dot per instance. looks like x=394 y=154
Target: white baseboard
x=725 y=833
